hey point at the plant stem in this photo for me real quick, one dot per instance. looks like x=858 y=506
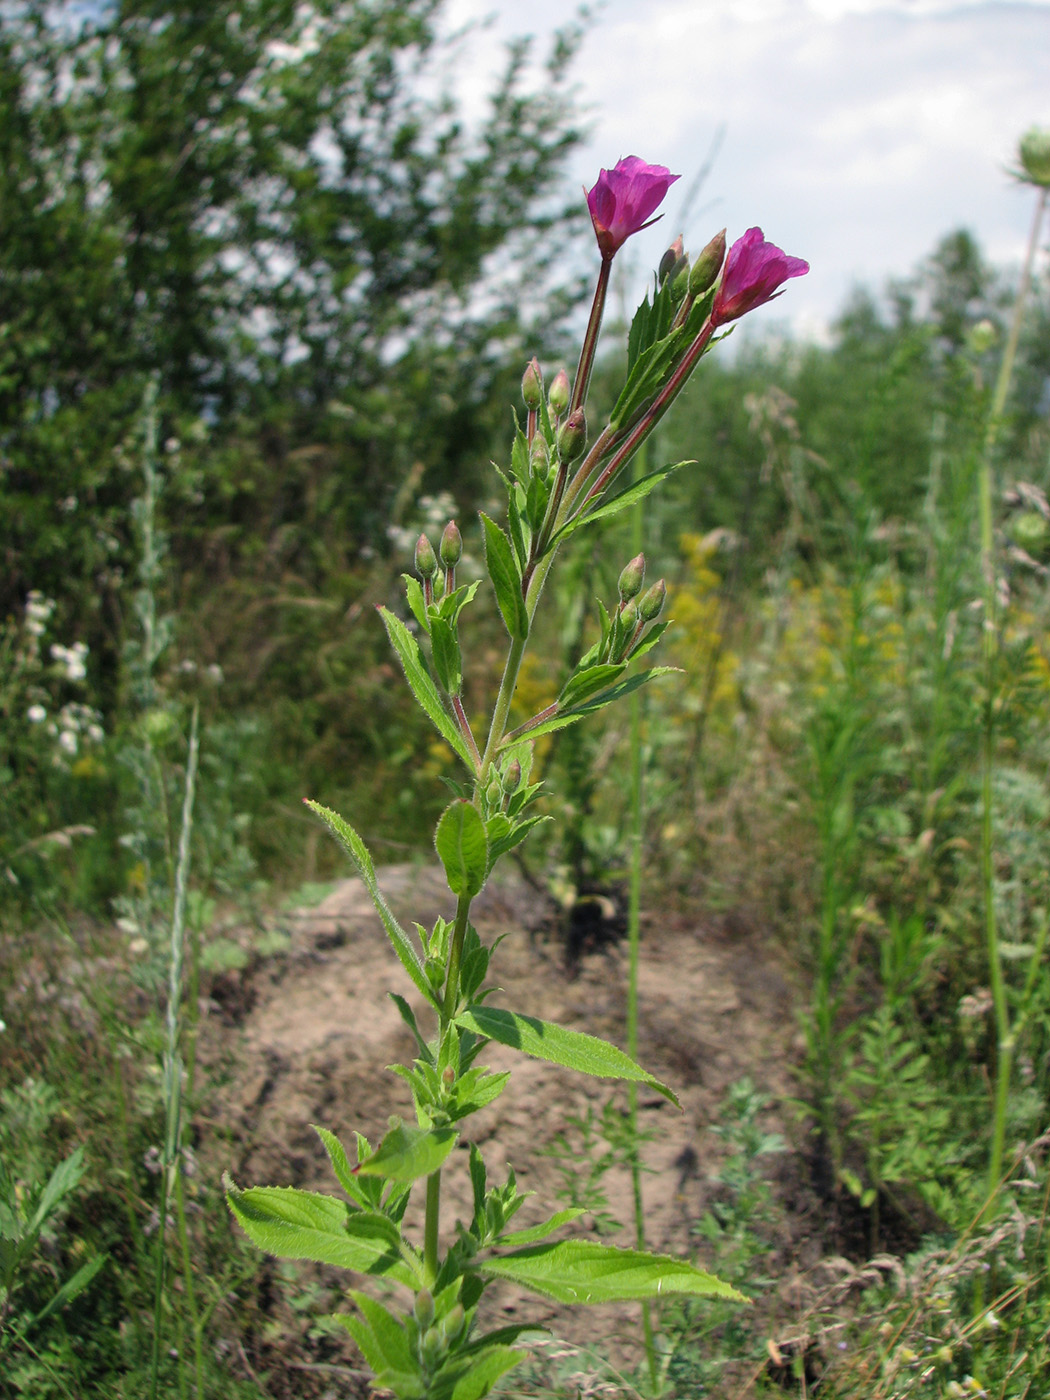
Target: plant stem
x=590 y=339
x=431 y=1263
x=633 y=940
x=170 y=1164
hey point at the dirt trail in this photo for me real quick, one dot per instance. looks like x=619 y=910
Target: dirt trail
x=319 y=1028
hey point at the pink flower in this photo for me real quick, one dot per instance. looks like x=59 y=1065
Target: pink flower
x=754 y=270
x=623 y=199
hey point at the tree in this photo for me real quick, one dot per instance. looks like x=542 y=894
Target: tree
x=277 y=209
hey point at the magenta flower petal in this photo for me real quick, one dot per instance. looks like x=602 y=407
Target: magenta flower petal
x=623 y=199
x=754 y=272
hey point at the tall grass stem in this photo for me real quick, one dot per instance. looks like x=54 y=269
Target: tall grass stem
x=173 y=1069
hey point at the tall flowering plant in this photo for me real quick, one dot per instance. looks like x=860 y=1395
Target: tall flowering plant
x=559 y=479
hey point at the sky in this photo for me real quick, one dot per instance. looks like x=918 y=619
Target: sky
x=854 y=132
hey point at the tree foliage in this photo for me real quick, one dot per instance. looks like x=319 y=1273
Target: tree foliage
x=279 y=211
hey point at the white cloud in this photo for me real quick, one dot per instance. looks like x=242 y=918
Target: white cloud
x=857 y=131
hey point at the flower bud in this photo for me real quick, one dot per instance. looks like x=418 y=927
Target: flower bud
x=708 y=265
x=435 y=971
x=560 y=391
x=572 y=436
x=451 y=547
x=512 y=777
x=629 y=616
x=539 y=454
x=651 y=603
x=494 y=793
x=455 y=1321
x=532 y=385
x=423 y=1308
x=630 y=584
x=448 y=1076
x=433 y=1346
x=1034 y=151
x=669 y=259
x=679 y=278
x=426 y=559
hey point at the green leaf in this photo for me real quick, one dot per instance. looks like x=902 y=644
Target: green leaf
x=505 y=835
x=71 y=1288
x=407 y=1153
x=540 y=1232
x=545 y=1041
x=414 y=593
x=348 y=838
x=409 y=1018
x=448 y=662
x=423 y=688
x=598 y=702
x=647 y=377
x=583 y=684
x=390 y=1336
x=407 y=1385
x=612 y=505
x=463 y=847
x=503 y=571
x=485 y=1370
x=297 y=1224
x=583 y=1271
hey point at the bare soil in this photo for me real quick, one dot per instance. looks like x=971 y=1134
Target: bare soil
x=305 y=1038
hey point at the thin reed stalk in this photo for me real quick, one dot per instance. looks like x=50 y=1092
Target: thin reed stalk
x=173 y=1085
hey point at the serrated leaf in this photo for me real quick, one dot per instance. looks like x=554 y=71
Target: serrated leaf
x=450 y=605
x=583 y=684
x=506 y=838
x=295 y=1224
x=358 y=853
x=612 y=505
x=448 y=662
x=476 y=1089
x=462 y=846
x=647 y=376
x=486 y=1367
x=414 y=594
x=407 y=1153
x=535 y=1233
x=344 y=1172
x=598 y=702
x=422 y=687
x=583 y=1271
x=390 y=1335
x=558 y=1045
x=407 y=1385
x=409 y=1018
x=506 y=580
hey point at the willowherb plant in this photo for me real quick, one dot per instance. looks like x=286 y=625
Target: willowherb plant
x=557 y=483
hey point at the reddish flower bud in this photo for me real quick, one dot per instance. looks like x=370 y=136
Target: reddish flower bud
x=651 y=603
x=426 y=559
x=630 y=584
x=558 y=398
x=451 y=547
x=512 y=777
x=623 y=199
x=754 y=271
x=708 y=265
x=669 y=259
x=572 y=436
x=532 y=385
